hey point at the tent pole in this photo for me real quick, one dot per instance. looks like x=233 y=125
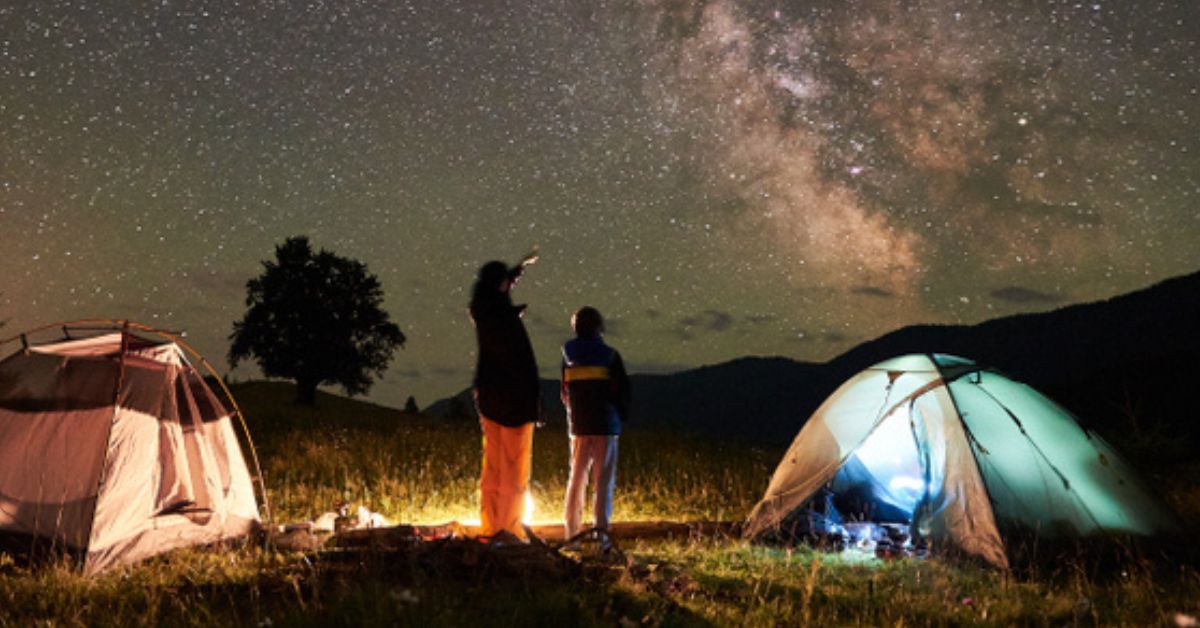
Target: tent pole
x=94 y=321
x=245 y=430
x=262 y=486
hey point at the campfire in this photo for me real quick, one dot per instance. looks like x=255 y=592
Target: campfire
x=472 y=520
x=530 y=508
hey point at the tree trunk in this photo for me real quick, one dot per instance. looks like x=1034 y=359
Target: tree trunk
x=306 y=392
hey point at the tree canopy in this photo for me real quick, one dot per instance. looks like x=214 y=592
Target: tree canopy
x=316 y=319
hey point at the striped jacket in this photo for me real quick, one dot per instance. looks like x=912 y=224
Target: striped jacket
x=595 y=387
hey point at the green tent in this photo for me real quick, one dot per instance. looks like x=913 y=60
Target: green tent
x=964 y=456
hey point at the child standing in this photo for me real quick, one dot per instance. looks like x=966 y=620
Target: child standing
x=595 y=392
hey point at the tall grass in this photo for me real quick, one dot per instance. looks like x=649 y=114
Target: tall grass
x=416 y=469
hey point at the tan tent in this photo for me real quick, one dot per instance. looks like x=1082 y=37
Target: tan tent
x=113 y=448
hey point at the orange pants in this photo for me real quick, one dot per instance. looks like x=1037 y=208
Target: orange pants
x=507 y=461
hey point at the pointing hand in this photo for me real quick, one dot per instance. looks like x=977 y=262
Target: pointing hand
x=531 y=257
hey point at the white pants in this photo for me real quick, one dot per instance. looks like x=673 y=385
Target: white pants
x=599 y=455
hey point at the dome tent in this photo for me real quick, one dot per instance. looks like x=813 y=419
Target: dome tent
x=113 y=448
x=965 y=456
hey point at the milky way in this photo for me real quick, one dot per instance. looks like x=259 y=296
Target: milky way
x=720 y=178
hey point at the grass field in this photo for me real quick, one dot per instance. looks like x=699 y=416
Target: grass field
x=415 y=469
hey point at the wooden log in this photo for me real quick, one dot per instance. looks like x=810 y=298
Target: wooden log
x=397 y=536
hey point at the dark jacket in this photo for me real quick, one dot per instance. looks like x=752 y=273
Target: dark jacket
x=595 y=388
x=506 y=376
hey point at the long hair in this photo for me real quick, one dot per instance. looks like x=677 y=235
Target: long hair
x=487 y=285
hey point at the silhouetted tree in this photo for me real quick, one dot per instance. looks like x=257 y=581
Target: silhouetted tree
x=410 y=406
x=316 y=319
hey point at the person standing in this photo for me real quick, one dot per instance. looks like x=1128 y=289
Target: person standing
x=595 y=391
x=507 y=396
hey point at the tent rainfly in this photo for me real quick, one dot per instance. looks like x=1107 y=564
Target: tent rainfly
x=963 y=455
x=114 y=449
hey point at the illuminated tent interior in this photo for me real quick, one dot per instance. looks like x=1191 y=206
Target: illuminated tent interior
x=113 y=448
x=959 y=455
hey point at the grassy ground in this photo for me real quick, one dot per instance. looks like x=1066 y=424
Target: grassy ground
x=420 y=470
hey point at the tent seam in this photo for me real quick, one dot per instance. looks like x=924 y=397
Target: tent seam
x=87 y=540
x=1066 y=483
x=978 y=464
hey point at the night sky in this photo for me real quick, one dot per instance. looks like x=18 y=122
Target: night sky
x=719 y=178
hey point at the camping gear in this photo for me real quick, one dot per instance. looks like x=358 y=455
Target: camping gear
x=113 y=449
x=967 y=457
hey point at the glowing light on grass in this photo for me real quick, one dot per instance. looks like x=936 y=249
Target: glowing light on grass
x=529 y=508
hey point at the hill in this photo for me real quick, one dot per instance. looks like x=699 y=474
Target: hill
x=1125 y=363
x=1114 y=363
x=270 y=410
x=761 y=393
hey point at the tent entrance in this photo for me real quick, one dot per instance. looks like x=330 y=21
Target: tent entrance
x=884 y=479
x=870 y=503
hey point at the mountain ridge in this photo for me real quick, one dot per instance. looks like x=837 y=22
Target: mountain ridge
x=1099 y=359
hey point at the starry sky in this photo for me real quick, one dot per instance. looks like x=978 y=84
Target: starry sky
x=720 y=178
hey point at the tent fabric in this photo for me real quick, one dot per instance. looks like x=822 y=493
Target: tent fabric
x=114 y=448
x=969 y=453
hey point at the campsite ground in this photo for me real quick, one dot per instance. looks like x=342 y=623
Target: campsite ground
x=414 y=469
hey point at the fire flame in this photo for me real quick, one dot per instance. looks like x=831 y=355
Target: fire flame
x=526 y=517
x=529 y=508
